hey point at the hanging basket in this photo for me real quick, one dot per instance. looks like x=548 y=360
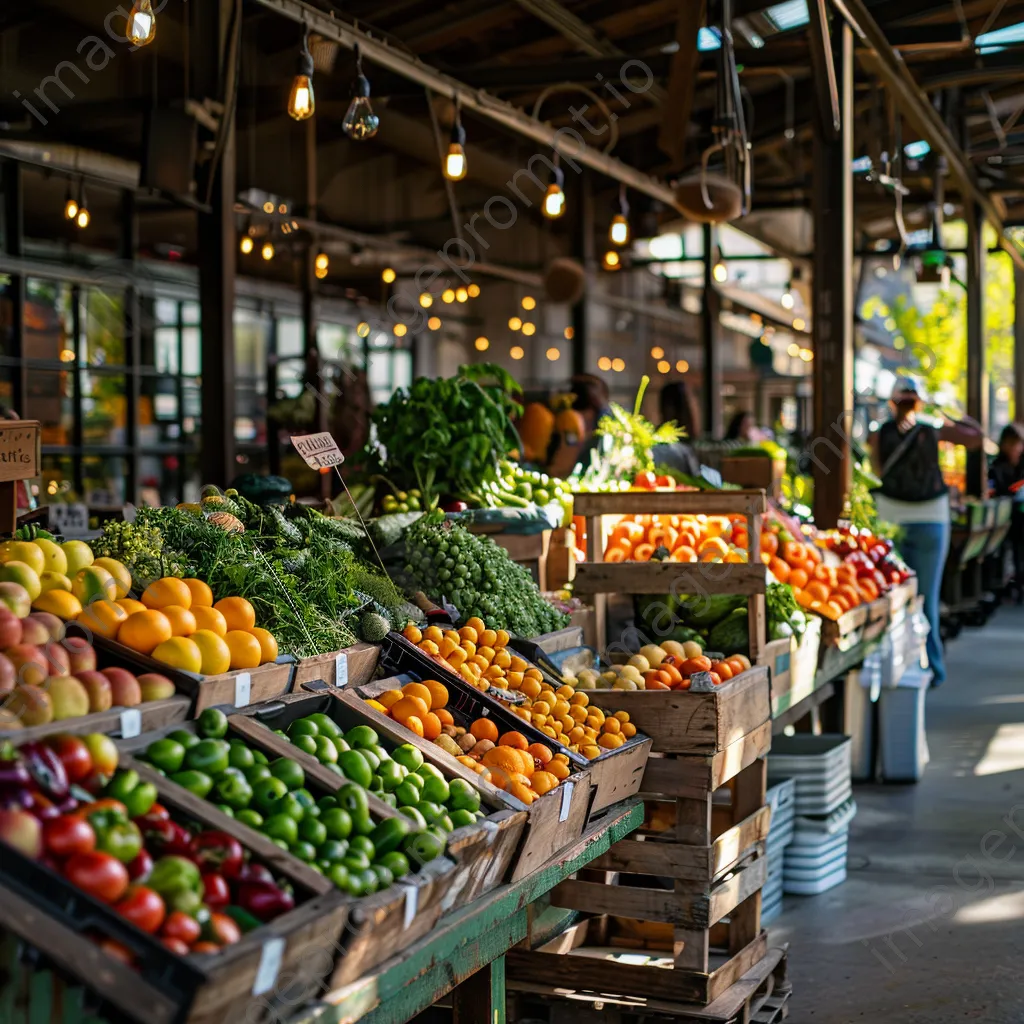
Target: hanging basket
x=565 y=281
x=693 y=192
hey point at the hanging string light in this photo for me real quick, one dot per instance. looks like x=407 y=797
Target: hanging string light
x=84 y=217
x=619 y=232
x=515 y=324
x=611 y=260
x=322 y=261
x=448 y=296
x=141 y=24
x=301 y=102
x=426 y=300
x=387 y=275
x=473 y=290
x=455 y=165
x=246 y=244
x=360 y=121
x=461 y=295
x=554 y=198
x=788 y=301
x=70 y=204
x=267 y=252
x=529 y=302
x=434 y=323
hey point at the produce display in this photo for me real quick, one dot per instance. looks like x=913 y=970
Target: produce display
x=66 y=805
x=445 y=560
x=335 y=834
x=665 y=666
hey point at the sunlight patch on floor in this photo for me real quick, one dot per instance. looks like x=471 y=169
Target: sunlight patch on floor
x=1005 y=751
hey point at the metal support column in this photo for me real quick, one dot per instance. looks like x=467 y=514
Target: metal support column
x=1018 y=345
x=712 y=304
x=13 y=236
x=832 y=294
x=132 y=341
x=214 y=77
x=584 y=252
x=977 y=379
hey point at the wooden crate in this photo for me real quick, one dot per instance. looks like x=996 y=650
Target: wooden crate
x=60 y=920
x=554 y=820
x=845 y=632
x=145 y=717
x=528 y=549
x=483 y=851
x=351 y=667
x=754 y=471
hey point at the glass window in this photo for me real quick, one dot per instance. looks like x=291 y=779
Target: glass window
x=159 y=479
x=289 y=336
x=166 y=349
x=252 y=342
x=165 y=311
x=102 y=321
x=192 y=413
x=190 y=312
x=57 y=482
x=103 y=480
x=159 y=411
x=290 y=376
x=191 y=351
x=50 y=399
x=339 y=343
x=104 y=409
x=49 y=321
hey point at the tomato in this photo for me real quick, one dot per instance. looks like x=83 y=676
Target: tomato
x=692 y=665
x=181 y=927
x=222 y=930
x=143 y=907
x=647 y=480
x=67 y=835
x=206 y=947
x=665 y=481
x=98 y=874
x=73 y=754
x=216 y=893
x=117 y=951
x=176 y=946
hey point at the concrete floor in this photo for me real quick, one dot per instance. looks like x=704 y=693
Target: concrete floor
x=929 y=926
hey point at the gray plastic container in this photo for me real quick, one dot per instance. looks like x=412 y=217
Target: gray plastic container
x=820 y=766
x=902 y=740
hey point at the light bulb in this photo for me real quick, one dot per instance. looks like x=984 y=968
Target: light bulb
x=321 y=273
x=720 y=272
x=83 y=218
x=448 y=296
x=618 y=365
x=611 y=261
x=360 y=121
x=657 y=352
x=70 y=208
x=514 y=323
x=473 y=290
x=554 y=201
x=682 y=366
x=426 y=300
x=806 y=355
x=268 y=207
x=400 y=330
x=618 y=233
x=434 y=323
x=455 y=162
x=461 y=295
x=529 y=329
x=322 y=261
x=664 y=366
x=267 y=252
x=793 y=350
x=569 y=333
x=787 y=301
x=553 y=354
x=516 y=352
x=363 y=330
x=481 y=344
x=529 y=302
x=388 y=275
x=604 y=363
x=246 y=244
x=141 y=24
x=799 y=323
x=301 y=103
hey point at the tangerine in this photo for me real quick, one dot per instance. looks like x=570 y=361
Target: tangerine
x=183 y=622
x=103 y=617
x=540 y=752
x=390 y=697
x=484 y=729
x=202 y=595
x=245 y=649
x=514 y=739
x=268 y=644
x=145 y=631
x=418 y=690
x=414 y=725
x=237 y=612
x=431 y=726
x=408 y=707
x=168 y=591
x=209 y=618
x=543 y=782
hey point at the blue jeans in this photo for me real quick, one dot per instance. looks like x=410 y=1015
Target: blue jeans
x=924 y=547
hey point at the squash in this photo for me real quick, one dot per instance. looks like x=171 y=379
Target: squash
x=568 y=422
x=535 y=429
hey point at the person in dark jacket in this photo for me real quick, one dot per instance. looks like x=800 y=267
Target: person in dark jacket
x=1006 y=475
x=677 y=405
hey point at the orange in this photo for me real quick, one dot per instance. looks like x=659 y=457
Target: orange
x=429 y=646
x=209 y=618
x=202 y=595
x=503 y=758
x=434 y=634
x=779 y=569
x=540 y=752
x=215 y=653
x=609 y=741
x=390 y=697
x=414 y=724
x=514 y=739
x=183 y=622
x=769 y=542
x=144 y=631
x=484 y=729
x=445 y=717
x=418 y=690
x=447 y=646
x=501 y=638
x=103 y=617
x=244 y=647
x=614 y=726
x=268 y=644
x=487 y=638
x=521 y=792
x=130 y=606
x=529 y=766
x=468 y=634
x=476 y=623
x=412 y=633
x=438 y=693
x=431 y=726
x=817 y=590
x=794 y=553
x=237 y=612
x=409 y=707
x=543 y=782
x=179 y=652
x=559 y=769
x=628 y=730
x=456 y=658
x=798 y=579
x=168 y=591
x=518 y=664
x=519 y=777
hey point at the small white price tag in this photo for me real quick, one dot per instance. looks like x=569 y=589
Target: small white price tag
x=567 y=788
x=270 y=965
x=341 y=670
x=412 y=902
x=131 y=723
x=319 y=451
x=243 y=689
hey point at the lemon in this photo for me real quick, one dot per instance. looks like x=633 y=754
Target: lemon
x=180 y=652
x=78 y=555
x=53 y=555
x=215 y=653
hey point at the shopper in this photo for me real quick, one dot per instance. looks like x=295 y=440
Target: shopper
x=743 y=427
x=591 y=401
x=678 y=406
x=914 y=496
x=1006 y=475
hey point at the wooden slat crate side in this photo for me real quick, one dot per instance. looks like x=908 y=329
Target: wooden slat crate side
x=265 y=683
x=617 y=776
x=484 y=853
x=550 y=828
x=746 y=502
x=155 y=714
x=356 y=664
x=665 y=577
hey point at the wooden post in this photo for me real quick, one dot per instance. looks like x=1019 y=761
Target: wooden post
x=833 y=297
x=1018 y=344
x=217 y=246
x=712 y=393
x=13 y=238
x=977 y=383
x=480 y=999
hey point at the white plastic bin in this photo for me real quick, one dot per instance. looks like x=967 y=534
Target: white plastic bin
x=815 y=861
x=820 y=766
x=902 y=741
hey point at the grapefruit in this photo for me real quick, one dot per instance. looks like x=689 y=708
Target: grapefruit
x=23 y=551
x=78 y=555
x=23 y=574
x=180 y=652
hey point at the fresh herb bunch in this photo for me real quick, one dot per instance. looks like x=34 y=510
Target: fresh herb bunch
x=445 y=437
x=861 y=509
x=444 y=559
x=785 y=616
x=141 y=547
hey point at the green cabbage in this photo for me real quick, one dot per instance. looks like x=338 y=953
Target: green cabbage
x=702 y=611
x=731 y=635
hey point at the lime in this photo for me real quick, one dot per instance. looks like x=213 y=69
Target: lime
x=362 y=736
x=250 y=817
x=436 y=790
x=332 y=850
x=407 y=794
x=283 y=827
x=260 y=758
x=240 y=756
x=266 y=793
x=308 y=801
x=369 y=757
x=460 y=819
x=338 y=874
x=213 y=724
x=327 y=726
x=397 y=863
x=325 y=803
x=462 y=796
x=430 y=810
x=306 y=743
x=256 y=773
x=314 y=831
x=290 y=805
x=337 y=822
x=355 y=861
x=392 y=775
x=186 y=739
x=414 y=816
x=384 y=876
x=304 y=851
x=369 y=880
x=303 y=727
x=408 y=756
x=289 y=772
x=363 y=844
x=355 y=768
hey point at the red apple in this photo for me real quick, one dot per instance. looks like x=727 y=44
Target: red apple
x=20 y=830
x=74 y=755
x=54 y=627
x=58 y=658
x=81 y=652
x=124 y=687
x=103 y=751
x=97 y=685
x=155 y=686
x=29 y=662
x=10 y=628
x=34 y=632
x=8 y=677
x=16 y=598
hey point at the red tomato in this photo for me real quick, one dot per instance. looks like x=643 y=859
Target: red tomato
x=73 y=754
x=176 y=946
x=206 y=947
x=143 y=907
x=99 y=874
x=216 y=893
x=116 y=950
x=647 y=480
x=67 y=835
x=223 y=930
x=181 y=927
x=665 y=481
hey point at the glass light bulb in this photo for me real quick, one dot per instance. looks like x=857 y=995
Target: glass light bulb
x=664 y=366
x=70 y=209
x=516 y=352
x=246 y=244
x=473 y=290
x=481 y=344
x=529 y=329
x=611 y=261
x=553 y=354
x=448 y=296
x=515 y=324
x=83 y=218
x=426 y=300
x=618 y=233
x=455 y=162
x=604 y=363
x=400 y=330
x=529 y=302
x=461 y=295
x=321 y=273
x=388 y=275
x=301 y=102
x=360 y=122
x=267 y=252
x=141 y=24
x=434 y=323
x=787 y=301
x=618 y=365
x=554 y=202
x=322 y=261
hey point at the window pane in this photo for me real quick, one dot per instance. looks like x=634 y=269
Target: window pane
x=191 y=351
x=165 y=311
x=103 y=480
x=48 y=321
x=6 y=315
x=50 y=400
x=290 y=374
x=57 y=481
x=166 y=349
x=159 y=479
x=402 y=370
x=193 y=479
x=102 y=319
x=250 y=413
x=289 y=336
x=159 y=411
x=190 y=312
x=191 y=422
x=252 y=341
x=104 y=409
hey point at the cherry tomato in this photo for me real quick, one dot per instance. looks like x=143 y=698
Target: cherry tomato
x=98 y=874
x=176 y=946
x=143 y=907
x=222 y=930
x=206 y=947
x=116 y=950
x=181 y=927
x=647 y=480
x=67 y=835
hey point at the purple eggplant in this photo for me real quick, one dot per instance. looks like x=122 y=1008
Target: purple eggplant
x=46 y=769
x=16 y=798
x=14 y=774
x=264 y=900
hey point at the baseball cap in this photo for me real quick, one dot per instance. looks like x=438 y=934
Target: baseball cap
x=905 y=387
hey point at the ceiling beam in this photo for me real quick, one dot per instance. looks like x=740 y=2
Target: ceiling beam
x=482 y=103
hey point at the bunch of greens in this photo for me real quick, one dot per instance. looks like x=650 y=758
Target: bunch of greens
x=785 y=616
x=141 y=547
x=445 y=437
x=445 y=560
x=861 y=509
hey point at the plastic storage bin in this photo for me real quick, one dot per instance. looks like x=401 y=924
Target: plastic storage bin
x=820 y=766
x=860 y=694
x=815 y=860
x=781 y=798
x=901 y=727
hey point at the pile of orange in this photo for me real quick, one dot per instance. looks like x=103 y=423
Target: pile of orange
x=685 y=538
x=178 y=623
x=675 y=673
x=476 y=653
x=830 y=591
x=420 y=707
